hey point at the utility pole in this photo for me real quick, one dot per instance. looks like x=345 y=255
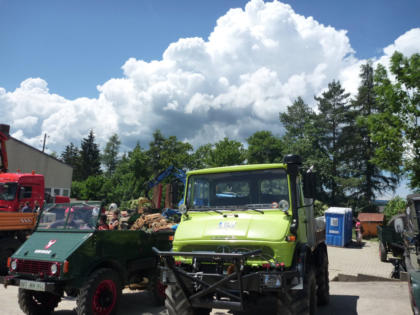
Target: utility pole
x=45 y=139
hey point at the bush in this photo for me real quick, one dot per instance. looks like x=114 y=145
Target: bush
x=319 y=208
x=395 y=206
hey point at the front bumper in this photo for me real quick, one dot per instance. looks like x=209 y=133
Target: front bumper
x=226 y=290
x=47 y=286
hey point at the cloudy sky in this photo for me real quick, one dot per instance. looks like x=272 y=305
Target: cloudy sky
x=198 y=70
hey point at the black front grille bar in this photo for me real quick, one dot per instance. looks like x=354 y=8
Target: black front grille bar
x=237 y=302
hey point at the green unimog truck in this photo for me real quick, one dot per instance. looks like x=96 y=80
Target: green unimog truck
x=248 y=239
x=68 y=254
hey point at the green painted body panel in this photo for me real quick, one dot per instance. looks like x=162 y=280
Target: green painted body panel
x=86 y=251
x=249 y=229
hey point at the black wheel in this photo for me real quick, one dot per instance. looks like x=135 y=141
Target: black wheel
x=157 y=289
x=322 y=281
x=382 y=252
x=177 y=303
x=37 y=303
x=299 y=302
x=100 y=295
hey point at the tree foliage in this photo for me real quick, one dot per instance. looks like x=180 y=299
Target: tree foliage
x=109 y=156
x=396 y=127
x=263 y=147
x=90 y=163
x=396 y=205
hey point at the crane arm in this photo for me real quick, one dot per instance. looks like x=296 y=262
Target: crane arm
x=4 y=136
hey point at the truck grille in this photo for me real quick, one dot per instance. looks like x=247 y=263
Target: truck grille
x=34 y=266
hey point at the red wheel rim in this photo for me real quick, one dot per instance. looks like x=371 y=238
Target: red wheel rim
x=104 y=298
x=161 y=289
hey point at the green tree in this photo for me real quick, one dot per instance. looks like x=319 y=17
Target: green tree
x=364 y=178
x=227 y=152
x=263 y=147
x=90 y=163
x=71 y=156
x=201 y=158
x=109 y=156
x=164 y=152
x=303 y=137
x=333 y=106
x=396 y=205
x=395 y=128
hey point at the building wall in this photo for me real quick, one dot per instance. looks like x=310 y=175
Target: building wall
x=370 y=228
x=58 y=175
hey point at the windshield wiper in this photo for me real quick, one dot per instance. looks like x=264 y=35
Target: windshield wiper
x=205 y=210
x=258 y=210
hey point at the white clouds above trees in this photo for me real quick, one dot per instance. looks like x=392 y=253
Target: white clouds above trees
x=253 y=65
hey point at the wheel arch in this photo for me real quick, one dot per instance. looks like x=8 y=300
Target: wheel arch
x=109 y=264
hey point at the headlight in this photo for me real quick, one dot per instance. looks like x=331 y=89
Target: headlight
x=13 y=264
x=271 y=280
x=54 y=269
x=183 y=208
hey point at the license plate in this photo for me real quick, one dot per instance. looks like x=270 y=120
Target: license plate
x=32 y=285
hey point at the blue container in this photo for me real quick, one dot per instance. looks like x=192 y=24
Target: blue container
x=338 y=226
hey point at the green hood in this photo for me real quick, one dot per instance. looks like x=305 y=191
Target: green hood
x=51 y=246
x=271 y=226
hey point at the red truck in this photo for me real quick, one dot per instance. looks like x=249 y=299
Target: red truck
x=17 y=189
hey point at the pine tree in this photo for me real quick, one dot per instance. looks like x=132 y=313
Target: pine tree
x=90 y=161
x=71 y=156
x=333 y=106
x=110 y=155
x=368 y=178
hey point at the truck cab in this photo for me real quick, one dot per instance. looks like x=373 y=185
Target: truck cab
x=19 y=188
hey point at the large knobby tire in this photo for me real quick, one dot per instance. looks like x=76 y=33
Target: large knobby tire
x=299 y=302
x=157 y=289
x=322 y=281
x=382 y=252
x=177 y=303
x=37 y=303
x=101 y=294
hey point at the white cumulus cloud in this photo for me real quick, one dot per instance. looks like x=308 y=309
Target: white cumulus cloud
x=255 y=63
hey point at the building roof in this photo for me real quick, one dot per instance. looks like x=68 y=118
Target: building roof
x=371 y=217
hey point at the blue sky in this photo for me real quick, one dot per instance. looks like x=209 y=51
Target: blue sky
x=194 y=69
x=75 y=45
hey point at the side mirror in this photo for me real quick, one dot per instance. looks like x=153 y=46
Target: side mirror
x=309 y=185
x=399 y=225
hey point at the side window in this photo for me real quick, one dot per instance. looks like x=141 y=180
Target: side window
x=26 y=192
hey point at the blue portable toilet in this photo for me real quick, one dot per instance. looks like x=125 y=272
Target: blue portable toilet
x=338 y=226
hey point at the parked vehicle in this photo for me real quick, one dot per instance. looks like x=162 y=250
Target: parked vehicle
x=248 y=235
x=67 y=254
x=389 y=240
x=17 y=189
x=411 y=237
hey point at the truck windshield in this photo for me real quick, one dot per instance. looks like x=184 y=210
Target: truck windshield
x=8 y=191
x=70 y=216
x=251 y=189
